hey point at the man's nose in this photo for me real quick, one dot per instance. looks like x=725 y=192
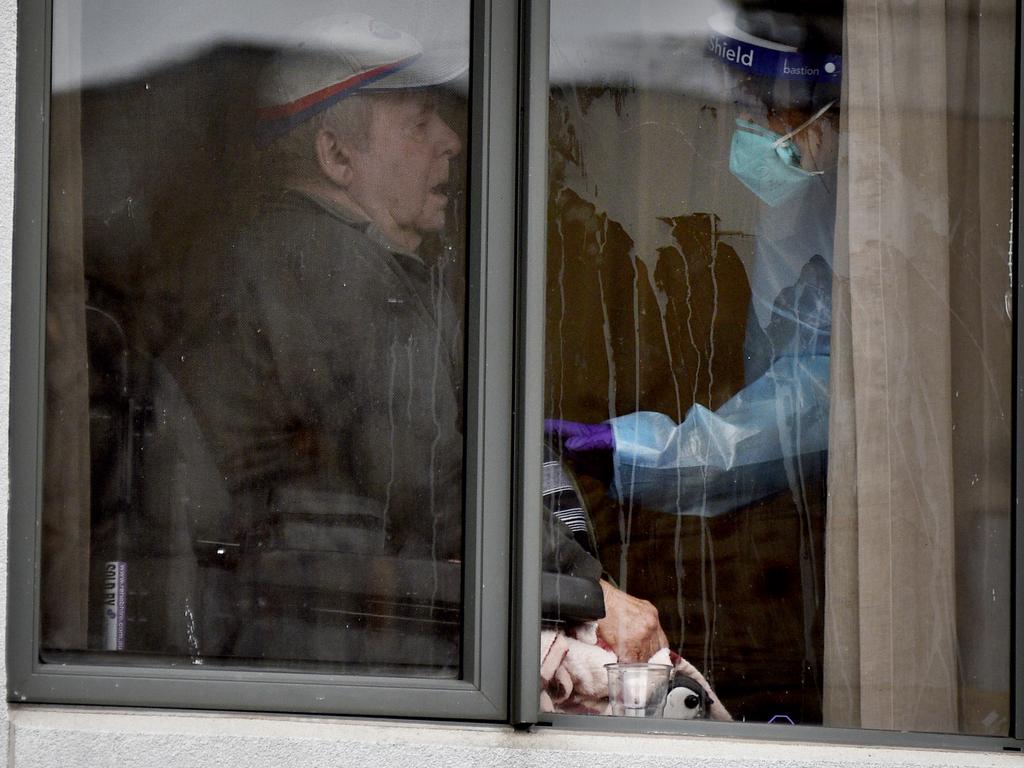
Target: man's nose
x=449 y=140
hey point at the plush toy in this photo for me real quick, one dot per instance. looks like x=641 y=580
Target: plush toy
x=574 y=678
x=686 y=700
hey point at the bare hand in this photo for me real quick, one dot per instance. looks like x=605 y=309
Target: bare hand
x=630 y=626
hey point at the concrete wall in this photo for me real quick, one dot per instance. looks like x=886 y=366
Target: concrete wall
x=65 y=736
x=8 y=53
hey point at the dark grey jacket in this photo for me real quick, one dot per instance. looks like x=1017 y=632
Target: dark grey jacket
x=331 y=377
x=328 y=386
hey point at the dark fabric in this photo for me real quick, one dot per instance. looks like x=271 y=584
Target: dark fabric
x=332 y=367
x=561 y=498
x=563 y=554
x=568 y=544
x=329 y=384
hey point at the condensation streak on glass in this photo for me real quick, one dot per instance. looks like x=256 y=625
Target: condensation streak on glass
x=255 y=336
x=778 y=360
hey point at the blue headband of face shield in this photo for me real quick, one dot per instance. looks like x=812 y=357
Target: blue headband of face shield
x=753 y=55
x=768 y=163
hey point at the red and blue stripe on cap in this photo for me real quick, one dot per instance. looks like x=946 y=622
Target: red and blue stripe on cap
x=279 y=119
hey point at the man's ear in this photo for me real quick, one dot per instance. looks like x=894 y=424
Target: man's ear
x=334 y=157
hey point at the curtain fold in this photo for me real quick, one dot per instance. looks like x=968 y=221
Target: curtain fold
x=901 y=546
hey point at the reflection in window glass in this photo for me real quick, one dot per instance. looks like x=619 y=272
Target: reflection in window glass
x=778 y=357
x=254 y=348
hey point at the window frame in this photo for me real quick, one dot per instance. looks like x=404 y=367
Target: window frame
x=535 y=230
x=482 y=691
x=507 y=157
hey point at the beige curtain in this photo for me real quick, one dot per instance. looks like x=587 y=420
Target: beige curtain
x=917 y=558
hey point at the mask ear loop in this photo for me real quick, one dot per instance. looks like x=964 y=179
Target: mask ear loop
x=783 y=139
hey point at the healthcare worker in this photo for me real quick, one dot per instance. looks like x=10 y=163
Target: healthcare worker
x=783 y=66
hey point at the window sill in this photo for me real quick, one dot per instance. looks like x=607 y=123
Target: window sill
x=168 y=738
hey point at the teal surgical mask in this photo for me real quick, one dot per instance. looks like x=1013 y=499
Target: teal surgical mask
x=768 y=163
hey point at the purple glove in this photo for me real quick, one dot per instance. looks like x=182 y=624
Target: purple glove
x=580 y=438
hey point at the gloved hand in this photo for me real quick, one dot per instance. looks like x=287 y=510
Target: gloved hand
x=581 y=438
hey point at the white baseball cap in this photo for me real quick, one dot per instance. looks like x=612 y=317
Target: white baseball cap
x=321 y=63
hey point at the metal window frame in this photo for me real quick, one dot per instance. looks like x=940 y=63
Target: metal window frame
x=502 y=171
x=534 y=224
x=532 y=207
x=482 y=693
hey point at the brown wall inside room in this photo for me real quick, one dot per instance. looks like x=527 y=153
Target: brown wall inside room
x=738 y=595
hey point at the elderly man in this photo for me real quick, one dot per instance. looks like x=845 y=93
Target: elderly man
x=331 y=377
x=329 y=384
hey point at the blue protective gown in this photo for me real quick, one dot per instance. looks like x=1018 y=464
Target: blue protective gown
x=772 y=433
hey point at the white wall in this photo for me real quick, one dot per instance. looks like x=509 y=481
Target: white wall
x=65 y=737
x=8 y=52
x=52 y=736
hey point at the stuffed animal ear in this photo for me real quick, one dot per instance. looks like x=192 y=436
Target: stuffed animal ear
x=686 y=700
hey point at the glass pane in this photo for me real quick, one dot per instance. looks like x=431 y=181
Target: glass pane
x=255 y=335
x=778 y=360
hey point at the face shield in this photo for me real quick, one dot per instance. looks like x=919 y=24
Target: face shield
x=779 y=74
x=768 y=63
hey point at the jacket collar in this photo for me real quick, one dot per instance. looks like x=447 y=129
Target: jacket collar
x=359 y=223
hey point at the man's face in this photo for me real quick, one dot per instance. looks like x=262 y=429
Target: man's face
x=400 y=176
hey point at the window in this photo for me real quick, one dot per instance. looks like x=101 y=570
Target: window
x=263 y=424
x=779 y=344
x=296 y=289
